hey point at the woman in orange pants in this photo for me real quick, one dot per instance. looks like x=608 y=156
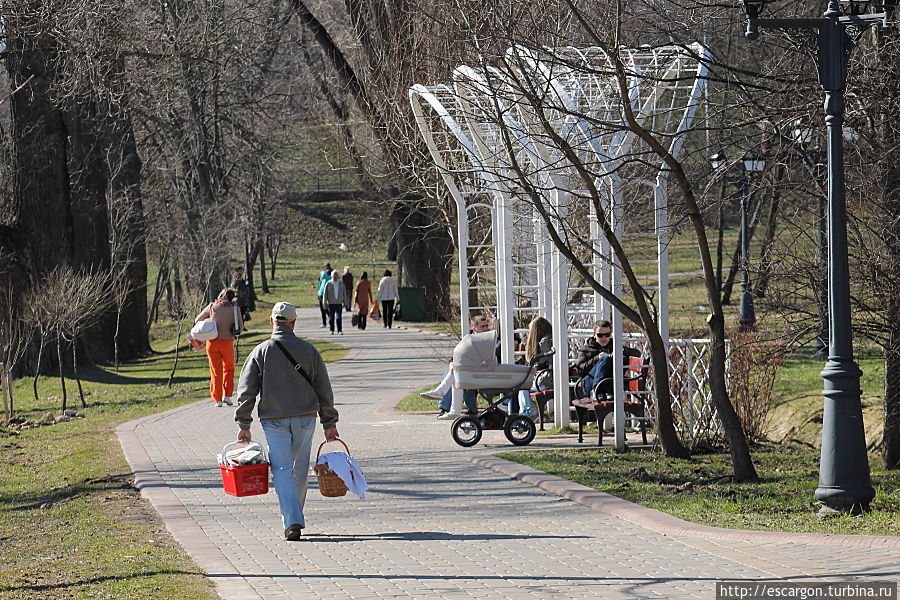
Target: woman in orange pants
x=220 y=351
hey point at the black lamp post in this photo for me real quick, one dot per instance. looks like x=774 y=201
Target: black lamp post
x=751 y=164
x=804 y=135
x=844 y=480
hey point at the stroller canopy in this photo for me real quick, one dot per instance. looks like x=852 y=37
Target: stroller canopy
x=476 y=351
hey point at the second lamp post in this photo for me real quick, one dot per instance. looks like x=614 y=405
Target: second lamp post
x=751 y=164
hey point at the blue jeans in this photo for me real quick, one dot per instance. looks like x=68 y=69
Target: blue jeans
x=334 y=315
x=290 y=444
x=600 y=371
x=527 y=405
x=470 y=398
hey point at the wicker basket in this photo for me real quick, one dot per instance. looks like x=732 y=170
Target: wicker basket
x=330 y=484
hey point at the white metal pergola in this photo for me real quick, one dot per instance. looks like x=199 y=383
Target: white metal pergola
x=478 y=128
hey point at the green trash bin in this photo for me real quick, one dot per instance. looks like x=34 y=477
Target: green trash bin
x=412 y=304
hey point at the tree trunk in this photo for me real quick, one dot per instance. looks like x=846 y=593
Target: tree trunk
x=731 y=423
x=175 y=361
x=263 y=283
x=424 y=254
x=162 y=277
x=75 y=371
x=668 y=436
x=124 y=177
x=37 y=366
x=62 y=376
x=765 y=252
x=273 y=247
x=891 y=445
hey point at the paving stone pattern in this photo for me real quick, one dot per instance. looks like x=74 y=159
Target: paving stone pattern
x=434 y=525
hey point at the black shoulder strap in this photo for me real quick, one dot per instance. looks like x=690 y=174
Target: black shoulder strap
x=297 y=366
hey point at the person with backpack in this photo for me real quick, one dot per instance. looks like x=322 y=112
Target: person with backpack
x=220 y=351
x=297 y=390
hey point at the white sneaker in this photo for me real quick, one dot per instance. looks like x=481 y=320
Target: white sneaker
x=227 y=400
x=449 y=416
x=219 y=404
x=432 y=394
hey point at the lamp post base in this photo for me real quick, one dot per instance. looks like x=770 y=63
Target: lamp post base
x=844 y=482
x=830 y=508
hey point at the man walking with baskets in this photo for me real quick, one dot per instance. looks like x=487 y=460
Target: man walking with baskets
x=296 y=390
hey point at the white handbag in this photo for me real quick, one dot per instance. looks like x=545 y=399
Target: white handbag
x=205 y=330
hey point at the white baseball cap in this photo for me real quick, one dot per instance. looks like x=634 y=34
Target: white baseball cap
x=284 y=311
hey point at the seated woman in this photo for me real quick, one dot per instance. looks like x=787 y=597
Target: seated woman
x=539 y=339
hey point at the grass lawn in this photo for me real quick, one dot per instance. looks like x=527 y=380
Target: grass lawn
x=71 y=524
x=414 y=402
x=700 y=489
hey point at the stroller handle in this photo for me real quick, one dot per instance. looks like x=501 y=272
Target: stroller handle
x=539 y=357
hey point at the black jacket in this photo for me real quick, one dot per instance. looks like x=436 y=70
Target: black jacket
x=587 y=355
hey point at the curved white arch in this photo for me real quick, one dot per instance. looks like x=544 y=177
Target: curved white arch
x=495 y=120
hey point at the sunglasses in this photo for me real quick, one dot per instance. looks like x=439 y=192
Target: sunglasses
x=602 y=335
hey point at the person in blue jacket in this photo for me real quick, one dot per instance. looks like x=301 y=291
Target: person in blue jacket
x=324 y=277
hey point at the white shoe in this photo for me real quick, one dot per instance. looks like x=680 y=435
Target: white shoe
x=219 y=404
x=227 y=400
x=432 y=394
x=449 y=416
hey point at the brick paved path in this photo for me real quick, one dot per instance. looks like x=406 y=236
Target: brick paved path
x=434 y=524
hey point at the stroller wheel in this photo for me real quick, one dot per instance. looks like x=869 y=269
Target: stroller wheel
x=466 y=431
x=519 y=430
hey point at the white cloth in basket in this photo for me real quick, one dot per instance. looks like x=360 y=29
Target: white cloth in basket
x=345 y=467
x=475 y=366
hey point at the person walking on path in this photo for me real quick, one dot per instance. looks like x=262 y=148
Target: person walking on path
x=388 y=293
x=335 y=297
x=242 y=292
x=347 y=280
x=324 y=278
x=297 y=390
x=220 y=351
x=363 y=299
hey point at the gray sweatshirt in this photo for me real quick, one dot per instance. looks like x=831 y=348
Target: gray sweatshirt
x=285 y=392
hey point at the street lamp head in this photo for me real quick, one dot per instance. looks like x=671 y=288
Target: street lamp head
x=717 y=160
x=753 y=162
x=753 y=8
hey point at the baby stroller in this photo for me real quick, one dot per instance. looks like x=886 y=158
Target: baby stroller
x=475 y=367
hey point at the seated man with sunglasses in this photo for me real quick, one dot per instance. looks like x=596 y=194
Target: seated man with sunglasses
x=594 y=358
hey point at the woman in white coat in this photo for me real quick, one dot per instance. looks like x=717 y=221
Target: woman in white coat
x=388 y=294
